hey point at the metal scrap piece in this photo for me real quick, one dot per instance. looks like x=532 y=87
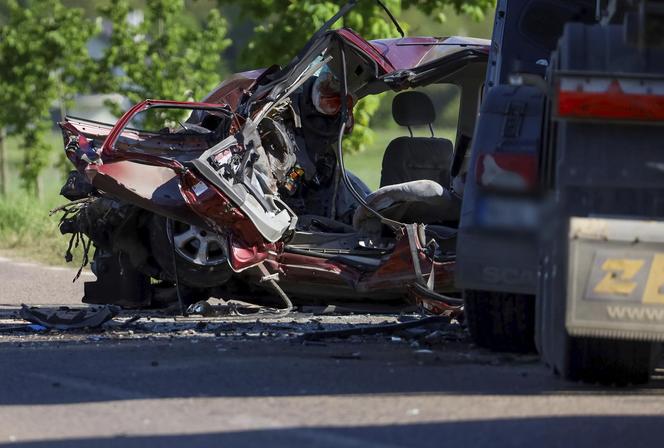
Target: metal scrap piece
x=64 y=318
x=374 y=329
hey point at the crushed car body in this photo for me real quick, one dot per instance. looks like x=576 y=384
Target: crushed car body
x=248 y=186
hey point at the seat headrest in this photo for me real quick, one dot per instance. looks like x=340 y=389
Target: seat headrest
x=413 y=109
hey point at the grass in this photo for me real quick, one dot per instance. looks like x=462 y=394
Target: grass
x=26 y=230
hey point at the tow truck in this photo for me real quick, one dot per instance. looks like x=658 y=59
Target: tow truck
x=564 y=190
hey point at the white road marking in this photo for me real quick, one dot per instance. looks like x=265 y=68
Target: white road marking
x=32 y=265
x=24 y=264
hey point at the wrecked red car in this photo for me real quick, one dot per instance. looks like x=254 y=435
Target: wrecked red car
x=247 y=190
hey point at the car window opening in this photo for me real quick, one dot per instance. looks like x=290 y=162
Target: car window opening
x=303 y=138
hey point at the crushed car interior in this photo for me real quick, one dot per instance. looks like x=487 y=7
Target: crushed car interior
x=248 y=188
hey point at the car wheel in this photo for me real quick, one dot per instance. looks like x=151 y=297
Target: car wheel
x=199 y=254
x=501 y=321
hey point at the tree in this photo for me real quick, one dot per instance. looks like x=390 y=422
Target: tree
x=474 y=8
x=285 y=25
x=43 y=53
x=161 y=57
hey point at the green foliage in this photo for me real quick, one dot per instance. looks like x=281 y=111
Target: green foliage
x=434 y=8
x=45 y=61
x=43 y=53
x=362 y=135
x=161 y=57
x=285 y=25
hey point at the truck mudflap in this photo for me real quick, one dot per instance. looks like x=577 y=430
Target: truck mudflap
x=616 y=279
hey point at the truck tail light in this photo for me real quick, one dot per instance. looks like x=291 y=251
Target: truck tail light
x=507 y=171
x=628 y=99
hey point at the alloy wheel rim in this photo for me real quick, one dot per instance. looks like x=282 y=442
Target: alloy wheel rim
x=196 y=245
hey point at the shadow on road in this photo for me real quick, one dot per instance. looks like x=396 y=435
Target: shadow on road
x=53 y=373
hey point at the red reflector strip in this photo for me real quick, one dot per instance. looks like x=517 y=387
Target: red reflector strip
x=611 y=99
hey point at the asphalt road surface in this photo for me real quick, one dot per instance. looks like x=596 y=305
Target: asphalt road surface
x=240 y=383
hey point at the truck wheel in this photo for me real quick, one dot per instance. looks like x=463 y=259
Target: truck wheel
x=611 y=362
x=199 y=255
x=501 y=321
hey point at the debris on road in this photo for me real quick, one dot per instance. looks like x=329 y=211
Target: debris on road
x=424 y=353
x=64 y=318
x=375 y=329
x=207 y=308
x=353 y=355
x=83 y=324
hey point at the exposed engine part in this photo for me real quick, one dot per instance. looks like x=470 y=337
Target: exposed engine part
x=71 y=211
x=110 y=226
x=76 y=187
x=293 y=179
x=97 y=218
x=280 y=148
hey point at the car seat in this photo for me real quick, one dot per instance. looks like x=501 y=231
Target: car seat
x=416 y=158
x=415 y=173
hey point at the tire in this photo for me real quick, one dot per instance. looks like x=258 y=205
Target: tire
x=501 y=321
x=195 y=275
x=610 y=361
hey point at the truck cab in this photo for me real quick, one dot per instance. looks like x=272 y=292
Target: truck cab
x=499 y=227
x=561 y=221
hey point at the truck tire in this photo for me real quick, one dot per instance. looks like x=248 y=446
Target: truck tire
x=501 y=321
x=610 y=361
